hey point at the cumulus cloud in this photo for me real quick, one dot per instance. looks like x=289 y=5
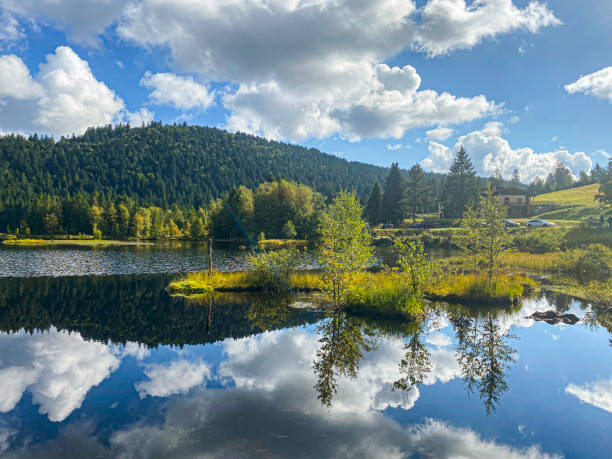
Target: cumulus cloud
x=283 y=85
x=598 y=84
x=598 y=393
x=440 y=134
x=178 y=377
x=63 y=98
x=453 y=24
x=394 y=146
x=489 y=151
x=181 y=92
x=57 y=368
x=142 y=116
x=83 y=23
x=334 y=82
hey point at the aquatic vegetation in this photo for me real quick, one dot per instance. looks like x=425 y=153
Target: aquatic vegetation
x=594 y=261
x=474 y=288
x=388 y=295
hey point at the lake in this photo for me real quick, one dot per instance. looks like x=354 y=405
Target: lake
x=112 y=366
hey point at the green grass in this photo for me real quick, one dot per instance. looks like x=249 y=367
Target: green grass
x=581 y=196
x=282 y=242
x=382 y=295
x=66 y=242
x=473 y=288
x=238 y=281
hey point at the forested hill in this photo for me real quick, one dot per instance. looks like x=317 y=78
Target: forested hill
x=166 y=164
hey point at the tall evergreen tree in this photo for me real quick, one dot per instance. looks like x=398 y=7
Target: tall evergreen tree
x=462 y=187
x=415 y=191
x=391 y=210
x=516 y=178
x=373 y=209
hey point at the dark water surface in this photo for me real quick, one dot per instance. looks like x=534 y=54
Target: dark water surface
x=112 y=366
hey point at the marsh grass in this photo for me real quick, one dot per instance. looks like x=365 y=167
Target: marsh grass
x=68 y=242
x=240 y=281
x=385 y=295
x=474 y=288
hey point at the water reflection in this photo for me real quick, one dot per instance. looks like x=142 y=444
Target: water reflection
x=249 y=375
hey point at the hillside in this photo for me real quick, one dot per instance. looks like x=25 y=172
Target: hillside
x=166 y=164
x=579 y=196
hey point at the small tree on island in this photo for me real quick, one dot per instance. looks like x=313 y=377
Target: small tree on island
x=346 y=246
x=483 y=235
x=413 y=261
x=289 y=230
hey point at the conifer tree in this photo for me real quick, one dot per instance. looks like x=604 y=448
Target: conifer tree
x=516 y=178
x=461 y=187
x=415 y=191
x=373 y=210
x=391 y=211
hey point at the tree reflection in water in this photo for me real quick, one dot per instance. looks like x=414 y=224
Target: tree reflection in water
x=416 y=363
x=483 y=355
x=343 y=341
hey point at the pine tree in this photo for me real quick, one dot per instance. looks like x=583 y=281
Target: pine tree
x=461 y=187
x=415 y=191
x=516 y=178
x=391 y=211
x=373 y=209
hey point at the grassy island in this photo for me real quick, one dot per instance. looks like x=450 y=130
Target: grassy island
x=68 y=242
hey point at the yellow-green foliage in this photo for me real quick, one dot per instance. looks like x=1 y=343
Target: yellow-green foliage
x=194 y=283
x=593 y=261
x=26 y=242
x=532 y=262
x=282 y=242
x=474 y=288
x=382 y=294
x=582 y=195
x=63 y=242
x=205 y=283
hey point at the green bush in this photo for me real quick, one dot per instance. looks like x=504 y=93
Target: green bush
x=271 y=270
x=593 y=261
x=583 y=235
x=539 y=240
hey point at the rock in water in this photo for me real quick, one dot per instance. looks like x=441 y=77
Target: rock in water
x=551 y=317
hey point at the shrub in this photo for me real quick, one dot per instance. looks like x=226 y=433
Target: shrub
x=591 y=261
x=583 y=235
x=271 y=270
x=540 y=240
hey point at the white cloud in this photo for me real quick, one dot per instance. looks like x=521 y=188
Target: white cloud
x=439 y=339
x=489 y=151
x=141 y=116
x=283 y=85
x=178 y=377
x=6 y=434
x=598 y=84
x=10 y=29
x=181 y=92
x=58 y=368
x=394 y=146
x=598 y=393
x=452 y=24
x=63 y=98
x=440 y=134
x=83 y=22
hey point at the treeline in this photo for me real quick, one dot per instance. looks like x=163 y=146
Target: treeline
x=161 y=166
x=405 y=196
x=561 y=178
x=275 y=209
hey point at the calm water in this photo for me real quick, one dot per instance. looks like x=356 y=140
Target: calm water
x=108 y=366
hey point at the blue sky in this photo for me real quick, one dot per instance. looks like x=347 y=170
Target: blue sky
x=521 y=84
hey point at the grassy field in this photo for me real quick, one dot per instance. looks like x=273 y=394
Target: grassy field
x=579 y=196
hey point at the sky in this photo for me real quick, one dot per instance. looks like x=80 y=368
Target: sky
x=519 y=83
